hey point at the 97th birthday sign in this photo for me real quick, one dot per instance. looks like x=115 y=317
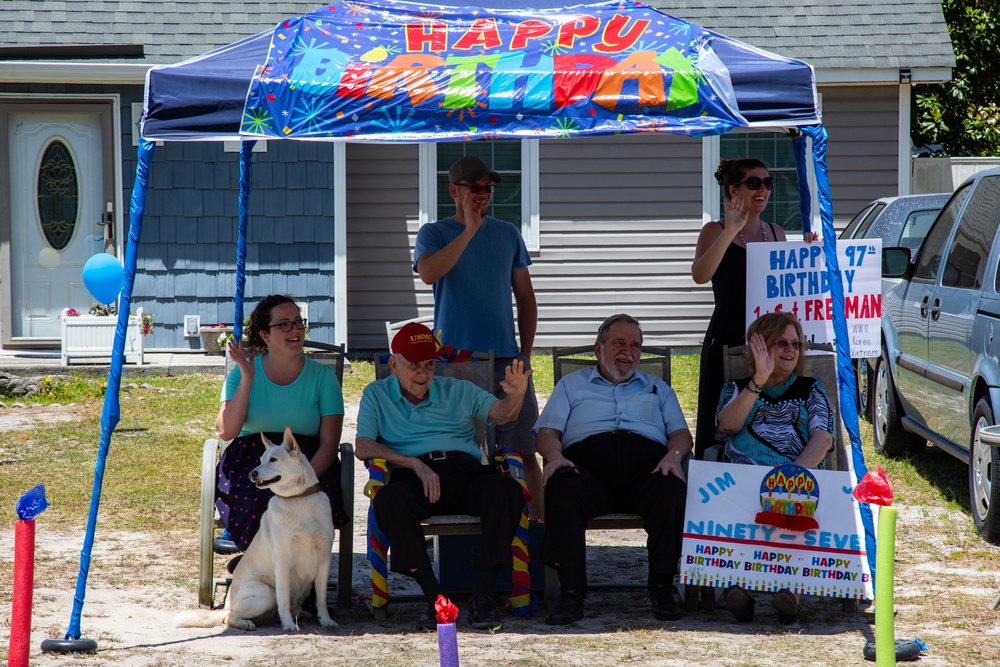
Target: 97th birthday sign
x=767 y=528
x=791 y=276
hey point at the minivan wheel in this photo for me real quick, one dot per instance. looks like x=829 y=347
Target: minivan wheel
x=862 y=374
x=984 y=476
x=891 y=439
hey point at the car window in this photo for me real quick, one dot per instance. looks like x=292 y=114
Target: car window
x=850 y=231
x=966 y=263
x=930 y=254
x=915 y=229
x=863 y=226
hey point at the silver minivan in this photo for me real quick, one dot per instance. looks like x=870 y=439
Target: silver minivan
x=938 y=378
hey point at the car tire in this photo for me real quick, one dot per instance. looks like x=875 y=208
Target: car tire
x=891 y=439
x=863 y=377
x=984 y=476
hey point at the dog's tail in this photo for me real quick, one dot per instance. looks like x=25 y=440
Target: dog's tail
x=201 y=618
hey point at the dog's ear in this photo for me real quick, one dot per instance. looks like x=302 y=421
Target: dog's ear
x=289 y=441
x=267 y=443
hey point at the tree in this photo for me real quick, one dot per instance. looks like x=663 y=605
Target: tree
x=963 y=115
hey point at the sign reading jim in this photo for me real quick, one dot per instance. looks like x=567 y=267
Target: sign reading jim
x=771 y=528
x=388 y=70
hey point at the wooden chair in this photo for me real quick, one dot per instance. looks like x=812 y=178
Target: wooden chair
x=655 y=361
x=480 y=372
x=209 y=523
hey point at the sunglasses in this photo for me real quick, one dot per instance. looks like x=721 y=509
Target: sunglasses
x=476 y=188
x=754 y=183
x=785 y=344
x=298 y=323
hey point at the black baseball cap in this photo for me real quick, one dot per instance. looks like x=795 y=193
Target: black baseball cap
x=471 y=169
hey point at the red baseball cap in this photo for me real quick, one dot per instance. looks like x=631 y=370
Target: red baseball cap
x=415 y=342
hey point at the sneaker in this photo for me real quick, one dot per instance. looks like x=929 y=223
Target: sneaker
x=665 y=606
x=568 y=609
x=787 y=606
x=428 y=620
x=483 y=614
x=739 y=603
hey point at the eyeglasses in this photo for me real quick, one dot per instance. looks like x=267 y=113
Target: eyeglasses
x=754 y=182
x=298 y=323
x=785 y=344
x=476 y=188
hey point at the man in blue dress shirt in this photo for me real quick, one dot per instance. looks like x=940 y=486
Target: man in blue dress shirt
x=614 y=440
x=423 y=426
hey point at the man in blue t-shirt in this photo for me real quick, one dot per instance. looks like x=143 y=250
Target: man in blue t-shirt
x=614 y=439
x=423 y=427
x=475 y=262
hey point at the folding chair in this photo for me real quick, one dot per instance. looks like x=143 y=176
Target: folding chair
x=479 y=371
x=392 y=327
x=655 y=361
x=209 y=522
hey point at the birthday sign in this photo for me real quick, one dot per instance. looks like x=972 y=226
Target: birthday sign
x=792 y=277
x=393 y=70
x=769 y=528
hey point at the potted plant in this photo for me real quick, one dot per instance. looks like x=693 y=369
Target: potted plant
x=93 y=335
x=215 y=336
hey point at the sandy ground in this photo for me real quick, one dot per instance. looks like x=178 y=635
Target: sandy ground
x=139 y=581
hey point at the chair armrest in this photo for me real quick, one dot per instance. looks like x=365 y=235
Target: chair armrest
x=347 y=477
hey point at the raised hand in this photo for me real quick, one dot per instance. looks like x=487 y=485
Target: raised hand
x=515 y=381
x=241 y=357
x=736 y=213
x=763 y=359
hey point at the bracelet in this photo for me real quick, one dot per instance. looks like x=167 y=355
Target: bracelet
x=751 y=389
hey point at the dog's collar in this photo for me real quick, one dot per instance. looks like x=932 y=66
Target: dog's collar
x=308 y=492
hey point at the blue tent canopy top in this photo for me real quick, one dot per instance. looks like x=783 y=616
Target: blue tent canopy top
x=398 y=71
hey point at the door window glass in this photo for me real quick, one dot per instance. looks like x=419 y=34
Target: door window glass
x=966 y=263
x=58 y=195
x=930 y=254
x=778 y=154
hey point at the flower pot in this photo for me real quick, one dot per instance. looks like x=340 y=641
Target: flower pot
x=210 y=338
x=94 y=336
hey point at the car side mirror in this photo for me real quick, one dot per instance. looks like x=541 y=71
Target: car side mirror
x=895 y=262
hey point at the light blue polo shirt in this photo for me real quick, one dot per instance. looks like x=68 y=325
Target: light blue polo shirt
x=443 y=421
x=585 y=404
x=473 y=303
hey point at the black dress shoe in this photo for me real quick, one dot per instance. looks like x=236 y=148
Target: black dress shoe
x=665 y=606
x=428 y=620
x=483 y=614
x=568 y=609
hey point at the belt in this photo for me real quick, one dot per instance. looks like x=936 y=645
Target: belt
x=441 y=456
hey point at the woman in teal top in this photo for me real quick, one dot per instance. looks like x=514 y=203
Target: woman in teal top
x=274 y=385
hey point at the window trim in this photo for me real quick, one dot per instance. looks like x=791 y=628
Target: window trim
x=530 y=216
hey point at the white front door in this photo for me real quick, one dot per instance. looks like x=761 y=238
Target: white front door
x=58 y=198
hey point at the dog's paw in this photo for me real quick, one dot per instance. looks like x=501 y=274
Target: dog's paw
x=241 y=624
x=290 y=627
x=328 y=623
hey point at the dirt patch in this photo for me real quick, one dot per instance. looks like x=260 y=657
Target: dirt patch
x=23 y=416
x=945 y=581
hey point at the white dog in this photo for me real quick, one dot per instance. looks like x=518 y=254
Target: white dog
x=288 y=555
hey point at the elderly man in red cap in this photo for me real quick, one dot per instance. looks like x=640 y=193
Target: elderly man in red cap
x=423 y=427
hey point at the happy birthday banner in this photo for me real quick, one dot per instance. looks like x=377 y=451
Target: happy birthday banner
x=791 y=276
x=767 y=528
x=395 y=70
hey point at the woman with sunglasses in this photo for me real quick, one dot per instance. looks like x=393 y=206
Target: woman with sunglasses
x=774 y=417
x=721 y=257
x=274 y=385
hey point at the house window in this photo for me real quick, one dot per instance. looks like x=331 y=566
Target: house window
x=776 y=151
x=516 y=196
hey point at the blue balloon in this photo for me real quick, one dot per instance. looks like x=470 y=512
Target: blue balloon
x=102 y=274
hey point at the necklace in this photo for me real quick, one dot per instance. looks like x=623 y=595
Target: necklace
x=763 y=234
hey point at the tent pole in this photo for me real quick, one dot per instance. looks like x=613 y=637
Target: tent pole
x=845 y=368
x=111 y=412
x=246 y=162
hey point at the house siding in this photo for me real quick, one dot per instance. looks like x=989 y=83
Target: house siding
x=620 y=218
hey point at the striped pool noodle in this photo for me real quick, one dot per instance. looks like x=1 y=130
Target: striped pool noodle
x=522 y=602
x=378 y=543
